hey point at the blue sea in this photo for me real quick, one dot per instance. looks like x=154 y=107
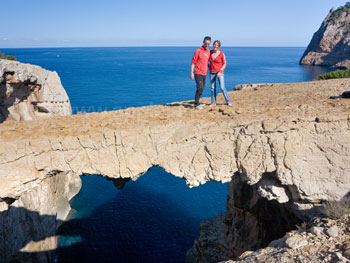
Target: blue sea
x=157 y=217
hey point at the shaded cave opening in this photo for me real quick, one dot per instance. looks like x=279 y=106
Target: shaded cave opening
x=153 y=219
x=253 y=221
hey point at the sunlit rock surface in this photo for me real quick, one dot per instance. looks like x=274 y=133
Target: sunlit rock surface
x=288 y=143
x=29 y=92
x=330 y=45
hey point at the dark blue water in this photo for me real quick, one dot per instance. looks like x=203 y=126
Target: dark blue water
x=156 y=218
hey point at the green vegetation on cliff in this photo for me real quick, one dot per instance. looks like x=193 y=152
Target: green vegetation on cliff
x=338 y=74
x=8 y=57
x=337 y=13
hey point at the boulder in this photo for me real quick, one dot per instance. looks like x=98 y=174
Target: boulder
x=29 y=92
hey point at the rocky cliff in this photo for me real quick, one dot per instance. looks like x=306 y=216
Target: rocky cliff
x=29 y=92
x=284 y=148
x=318 y=241
x=330 y=45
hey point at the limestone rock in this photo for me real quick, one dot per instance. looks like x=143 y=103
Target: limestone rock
x=279 y=147
x=317 y=230
x=330 y=45
x=252 y=221
x=346 y=248
x=272 y=190
x=316 y=249
x=281 y=242
x=253 y=86
x=296 y=242
x=28 y=92
x=211 y=246
x=28 y=224
x=347 y=253
x=332 y=231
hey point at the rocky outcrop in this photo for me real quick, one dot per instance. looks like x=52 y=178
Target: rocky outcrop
x=322 y=240
x=211 y=245
x=28 y=224
x=251 y=86
x=284 y=148
x=28 y=92
x=251 y=222
x=330 y=45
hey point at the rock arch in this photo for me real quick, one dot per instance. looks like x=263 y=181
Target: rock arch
x=302 y=141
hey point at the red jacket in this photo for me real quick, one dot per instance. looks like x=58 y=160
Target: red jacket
x=200 y=59
x=218 y=64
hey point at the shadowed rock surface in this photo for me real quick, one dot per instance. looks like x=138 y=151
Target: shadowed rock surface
x=330 y=45
x=306 y=245
x=288 y=145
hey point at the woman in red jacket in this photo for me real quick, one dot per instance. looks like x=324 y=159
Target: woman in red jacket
x=217 y=65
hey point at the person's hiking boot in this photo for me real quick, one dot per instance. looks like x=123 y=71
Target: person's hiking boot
x=229 y=104
x=212 y=105
x=199 y=107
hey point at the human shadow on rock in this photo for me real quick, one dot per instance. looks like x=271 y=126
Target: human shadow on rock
x=184 y=104
x=18 y=228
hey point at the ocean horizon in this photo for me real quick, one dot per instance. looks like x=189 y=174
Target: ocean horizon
x=155 y=46
x=80 y=68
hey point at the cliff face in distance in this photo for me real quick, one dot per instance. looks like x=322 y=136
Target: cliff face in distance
x=330 y=45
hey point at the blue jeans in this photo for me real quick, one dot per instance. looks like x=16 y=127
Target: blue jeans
x=213 y=77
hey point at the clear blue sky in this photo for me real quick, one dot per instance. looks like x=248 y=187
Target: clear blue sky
x=69 y=23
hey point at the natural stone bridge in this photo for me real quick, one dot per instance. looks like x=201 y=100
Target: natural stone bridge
x=289 y=141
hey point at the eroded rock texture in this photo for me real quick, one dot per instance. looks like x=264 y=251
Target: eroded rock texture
x=28 y=92
x=286 y=146
x=330 y=45
x=321 y=240
x=28 y=224
x=211 y=245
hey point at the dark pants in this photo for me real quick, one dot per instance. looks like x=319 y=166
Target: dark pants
x=200 y=83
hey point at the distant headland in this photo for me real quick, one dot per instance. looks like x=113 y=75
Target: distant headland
x=330 y=45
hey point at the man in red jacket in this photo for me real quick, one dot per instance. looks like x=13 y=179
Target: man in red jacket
x=200 y=66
